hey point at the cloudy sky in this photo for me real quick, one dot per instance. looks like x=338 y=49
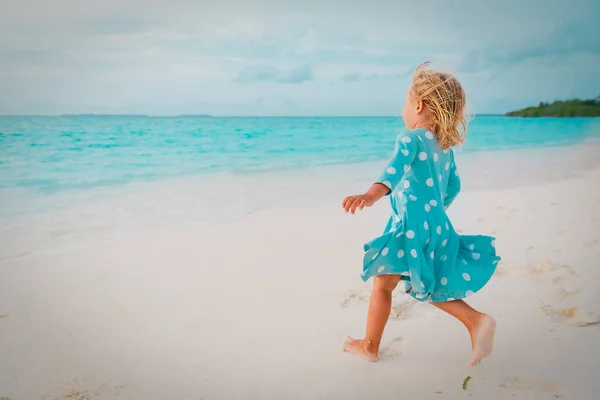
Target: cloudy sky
x=289 y=57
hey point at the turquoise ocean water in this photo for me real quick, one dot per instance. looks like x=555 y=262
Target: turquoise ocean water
x=67 y=182
x=51 y=154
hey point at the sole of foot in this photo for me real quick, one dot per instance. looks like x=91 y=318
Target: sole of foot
x=483 y=340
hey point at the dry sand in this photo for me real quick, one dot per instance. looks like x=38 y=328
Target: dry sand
x=260 y=307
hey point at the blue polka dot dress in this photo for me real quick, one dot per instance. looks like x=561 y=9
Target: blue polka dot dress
x=419 y=242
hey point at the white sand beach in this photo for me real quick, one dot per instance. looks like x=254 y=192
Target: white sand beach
x=258 y=306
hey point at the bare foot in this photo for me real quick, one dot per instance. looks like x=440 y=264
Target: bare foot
x=360 y=348
x=482 y=337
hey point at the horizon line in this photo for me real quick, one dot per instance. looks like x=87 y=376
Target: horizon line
x=218 y=116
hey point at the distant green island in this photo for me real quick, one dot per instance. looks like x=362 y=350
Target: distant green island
x=566 y=109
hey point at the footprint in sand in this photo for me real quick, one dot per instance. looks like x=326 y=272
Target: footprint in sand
x=397 y=315
x=395 y=348
x=543 y=267
x=404 y=307
x=562 y=293
x=540 y=267
x=78 y=391
x=565 y=283
x=573 y=315
x=539 y=387
x=560 y=314
x=355 y=298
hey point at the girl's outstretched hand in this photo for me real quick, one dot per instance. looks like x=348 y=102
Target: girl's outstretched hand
x=351 y=203
x=376 y=192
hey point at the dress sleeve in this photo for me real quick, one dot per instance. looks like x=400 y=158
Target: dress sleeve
x=407 y=145
x=453 y=184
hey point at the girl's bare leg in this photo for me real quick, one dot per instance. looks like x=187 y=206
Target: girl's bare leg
x=481 y=327
x=380 y=306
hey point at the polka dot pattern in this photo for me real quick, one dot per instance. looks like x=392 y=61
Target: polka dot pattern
x=418 y=241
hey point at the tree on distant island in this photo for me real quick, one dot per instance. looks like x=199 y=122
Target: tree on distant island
x=568 y=108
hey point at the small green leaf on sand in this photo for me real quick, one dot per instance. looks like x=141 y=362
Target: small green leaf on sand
x=438 y=392
x=467 y=379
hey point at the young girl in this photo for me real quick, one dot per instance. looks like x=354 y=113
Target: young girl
x=419 y=244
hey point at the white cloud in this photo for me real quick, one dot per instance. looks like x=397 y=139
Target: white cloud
x=181 y=53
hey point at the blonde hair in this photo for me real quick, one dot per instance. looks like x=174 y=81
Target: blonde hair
x=446 y=100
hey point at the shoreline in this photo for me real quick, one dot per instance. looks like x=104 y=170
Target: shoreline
x=79 y=218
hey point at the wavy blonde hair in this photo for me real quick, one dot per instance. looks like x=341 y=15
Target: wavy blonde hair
x=445 y=98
